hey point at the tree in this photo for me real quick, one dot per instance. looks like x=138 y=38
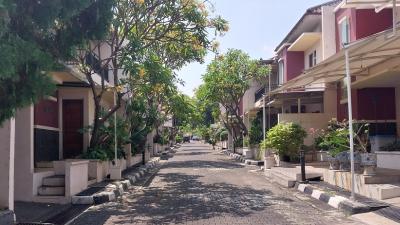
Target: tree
x=34 y=37
x=175 y=31
x=225 y=82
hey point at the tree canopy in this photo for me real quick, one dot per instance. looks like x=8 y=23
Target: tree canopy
x=227 y=78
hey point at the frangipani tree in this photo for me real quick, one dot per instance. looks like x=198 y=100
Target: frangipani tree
x=34 y=37
x=176 y=31
x=225 y=82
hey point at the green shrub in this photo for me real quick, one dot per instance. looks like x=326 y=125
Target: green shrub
x=335 y=141
x=285 y=138
x=256 y=132
x=105 y=150
x=178 y=139
x=238 y=142
x=246 y=142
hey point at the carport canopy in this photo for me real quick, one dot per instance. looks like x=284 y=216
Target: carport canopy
x=364 y=54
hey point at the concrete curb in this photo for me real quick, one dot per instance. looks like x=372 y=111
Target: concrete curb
x=7 y=217
x=338 y=202
x=116 y=188
x=235 y=156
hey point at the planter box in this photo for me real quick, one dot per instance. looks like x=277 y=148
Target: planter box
x=388 y=160
x=247 y=153
x=98 y=169
x=136 y=159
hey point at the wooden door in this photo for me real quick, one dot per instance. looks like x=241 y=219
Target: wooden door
x=72 y=124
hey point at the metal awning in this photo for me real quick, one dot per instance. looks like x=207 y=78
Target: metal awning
x=363 y=55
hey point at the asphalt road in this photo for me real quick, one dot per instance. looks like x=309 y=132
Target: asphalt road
x=201 y=186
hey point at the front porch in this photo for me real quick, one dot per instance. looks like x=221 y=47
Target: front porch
x=50 y=143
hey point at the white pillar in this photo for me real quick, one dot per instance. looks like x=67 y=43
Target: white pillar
x=7 y=148
x=298 y=105
x=230 y=141
x=24 y=155
x=264 y=123
x=350 y=115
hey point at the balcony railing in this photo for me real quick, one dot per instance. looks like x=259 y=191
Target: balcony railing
x=258 y=95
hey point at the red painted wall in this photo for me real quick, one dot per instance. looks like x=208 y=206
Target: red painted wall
x=363 y=22
x=376 y=104
x=369 y=104
x=342 y=109
x=339 y=15
x=368 y=22
x=294 y=63
x=46 y=113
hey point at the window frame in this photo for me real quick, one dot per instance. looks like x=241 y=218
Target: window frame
x=281 y=71
x=344 y=25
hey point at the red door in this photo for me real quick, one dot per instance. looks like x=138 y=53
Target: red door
x=72 y=124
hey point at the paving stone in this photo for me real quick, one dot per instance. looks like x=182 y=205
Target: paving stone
x=199 y=186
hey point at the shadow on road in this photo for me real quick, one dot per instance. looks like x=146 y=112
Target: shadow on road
x=185 y=198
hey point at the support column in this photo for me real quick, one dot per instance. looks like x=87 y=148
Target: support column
x=24 y=155
x=398 y=110
x=7 y=148
x=298 y=105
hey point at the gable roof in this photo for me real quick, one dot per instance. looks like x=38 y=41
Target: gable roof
x=310 y=12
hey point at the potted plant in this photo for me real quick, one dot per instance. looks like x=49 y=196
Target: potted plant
x=247 y=152
x=255 y=137
x=336 y=142
x=286 y=139
x=269 y=159
x=367 y=159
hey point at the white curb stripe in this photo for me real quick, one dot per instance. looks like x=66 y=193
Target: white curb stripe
x=316 y=194
x=335 y=201
x=301 y=187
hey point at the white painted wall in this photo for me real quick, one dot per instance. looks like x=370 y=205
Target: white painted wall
x=76 y=176
x=24 y=156
x=316 y=47
x=328 y=32
x=248 y=97
x=388 y=160
x=307 y=121
x=7 y=147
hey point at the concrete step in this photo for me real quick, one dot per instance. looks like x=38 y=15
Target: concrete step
x=44 y=164
x=54 y=181
x=280 y=178
x=51 y=199
x=380 y=191
x=382 y=179
x=92 y=181
x=51 y=191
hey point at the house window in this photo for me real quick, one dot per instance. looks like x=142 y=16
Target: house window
x=281 y=72
x=312 y=59
x=344 y=27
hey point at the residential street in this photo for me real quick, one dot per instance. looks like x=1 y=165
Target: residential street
x=199 y=185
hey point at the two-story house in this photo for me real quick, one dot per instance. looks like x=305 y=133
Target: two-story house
x=366 y=31
x=310 y=41
x=45 y=141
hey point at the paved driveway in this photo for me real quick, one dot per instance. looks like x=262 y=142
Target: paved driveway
x=202 y=186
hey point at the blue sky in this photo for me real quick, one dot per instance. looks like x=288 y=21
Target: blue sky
x=256 y=27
